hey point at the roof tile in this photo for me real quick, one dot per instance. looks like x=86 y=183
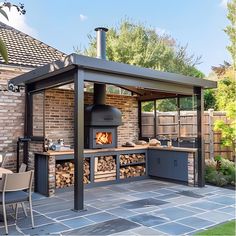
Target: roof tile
x=24 y=50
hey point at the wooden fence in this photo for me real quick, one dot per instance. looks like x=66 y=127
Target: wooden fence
x=168 y=125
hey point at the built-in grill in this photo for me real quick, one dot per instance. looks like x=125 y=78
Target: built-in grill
x=101 y=120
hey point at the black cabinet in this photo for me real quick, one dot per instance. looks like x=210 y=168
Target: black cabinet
x=168 y=164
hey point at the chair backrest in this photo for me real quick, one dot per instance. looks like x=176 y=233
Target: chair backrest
x=17 y=181
x=22 y=168
x=4 y=161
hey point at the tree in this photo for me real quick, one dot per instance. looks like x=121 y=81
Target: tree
x=230 y=30
x=21 y=10
x=139 y=45
x=226 y=101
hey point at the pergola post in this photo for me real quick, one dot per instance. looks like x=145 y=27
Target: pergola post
x=200 y=136
x=79 y=140
x=27 y=124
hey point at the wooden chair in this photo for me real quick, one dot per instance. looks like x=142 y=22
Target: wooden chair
x=12 y=192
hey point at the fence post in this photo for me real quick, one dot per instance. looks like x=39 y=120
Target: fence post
x=211 y=133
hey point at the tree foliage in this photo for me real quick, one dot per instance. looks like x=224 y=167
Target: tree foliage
x=226 y=101
x=230 y=30
x=139 y=45
x=21 y=10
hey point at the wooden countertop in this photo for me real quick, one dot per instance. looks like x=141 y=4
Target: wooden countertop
x=137 y=147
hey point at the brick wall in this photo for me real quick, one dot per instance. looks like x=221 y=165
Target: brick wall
x=59 y=110
x=11 y=116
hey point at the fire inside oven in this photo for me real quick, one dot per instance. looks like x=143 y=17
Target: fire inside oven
x=103 y=138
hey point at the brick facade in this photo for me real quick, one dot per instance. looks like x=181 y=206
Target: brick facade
x=11 y=115
x=59 y=110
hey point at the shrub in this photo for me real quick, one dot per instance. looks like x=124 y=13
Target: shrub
x=217 y=178
x=222 y=174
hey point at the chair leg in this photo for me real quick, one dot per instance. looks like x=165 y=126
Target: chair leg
x=16 y=211
x=24 y=209
x=5 y=217
x=31 y=212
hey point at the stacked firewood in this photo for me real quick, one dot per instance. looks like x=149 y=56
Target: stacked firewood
x=132 y=158
x=132 y=171
x=65 y=174
x=104 y=168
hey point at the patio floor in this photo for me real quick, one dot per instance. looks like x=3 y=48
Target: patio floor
x=147 y=207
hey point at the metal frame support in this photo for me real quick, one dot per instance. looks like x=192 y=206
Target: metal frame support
x=79 y=140
x=155 y=118
x=140 y=119
x=28 y=123
x=178 y=117
x=198 y=91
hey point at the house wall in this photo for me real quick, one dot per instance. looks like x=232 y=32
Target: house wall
x=59 y=114
x=11 y=115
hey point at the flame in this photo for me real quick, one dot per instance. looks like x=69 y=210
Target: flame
x=103 y=138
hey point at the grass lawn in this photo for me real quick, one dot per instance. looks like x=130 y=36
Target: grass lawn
x=223 y=229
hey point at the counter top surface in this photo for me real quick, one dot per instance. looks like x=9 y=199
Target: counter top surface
x=137 y=147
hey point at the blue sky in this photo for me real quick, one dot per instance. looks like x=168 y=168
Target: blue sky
x=65 y=24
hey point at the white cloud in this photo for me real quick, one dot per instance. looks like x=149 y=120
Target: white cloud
x=18 y=21
x=83 y=17
x=223 y=3
x=162 y=31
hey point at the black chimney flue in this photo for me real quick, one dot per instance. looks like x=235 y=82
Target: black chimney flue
x=99 y=90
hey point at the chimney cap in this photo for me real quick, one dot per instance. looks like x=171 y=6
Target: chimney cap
x=101 y=29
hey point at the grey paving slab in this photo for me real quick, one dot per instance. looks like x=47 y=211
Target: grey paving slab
x=121 y=212
x=45 y=229
x=206 y=205
x=165 y=191
x=124 y=233
x=77 y=222
x=173 y=213
x=148 y=202
x=146 y=209
x=104 y=228
x=193 y=209
x=69 y=213
x=174 y=228
x=215 y=216
x=12 y=230
x=54 y=207
x=229 y=210
x=148 y=194
x=48 y=201
x=101 y=216
x=222 y=200
x=143 y=230
x=25 y=222
x=169 y=196
x=182 y=200
x=195 y=222
x=147 y=220
x=190 y=194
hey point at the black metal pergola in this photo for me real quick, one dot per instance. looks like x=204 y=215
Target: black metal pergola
x=146 y=83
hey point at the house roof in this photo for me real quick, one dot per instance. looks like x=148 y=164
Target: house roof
x=24 y=50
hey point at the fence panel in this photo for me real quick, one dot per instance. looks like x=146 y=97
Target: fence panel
x=167 y=125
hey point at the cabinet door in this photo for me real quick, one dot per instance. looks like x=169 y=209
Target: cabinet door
x=179 y=168
x=168 y=164
x=159 y=164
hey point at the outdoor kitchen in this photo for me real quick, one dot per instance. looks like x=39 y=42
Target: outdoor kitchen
x=76 y=137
